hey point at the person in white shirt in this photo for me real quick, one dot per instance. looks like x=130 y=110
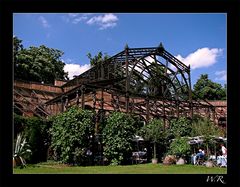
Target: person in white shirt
x=222 y=160
x=224 y=150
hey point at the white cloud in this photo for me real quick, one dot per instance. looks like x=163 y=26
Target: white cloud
x=75 y=18
x=75 y=69
x=203 y=57
x=78 y=19
x=221 y=75
x=104 y=21
x=44 y=22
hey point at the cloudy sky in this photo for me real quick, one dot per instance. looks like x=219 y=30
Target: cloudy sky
x=195 y=39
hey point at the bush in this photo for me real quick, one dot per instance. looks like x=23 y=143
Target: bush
x=19 y=122
x=181 y=127
x=180 y=147
x=36 y=132
x=117 y=138
x=71 y=135
x=204 y=127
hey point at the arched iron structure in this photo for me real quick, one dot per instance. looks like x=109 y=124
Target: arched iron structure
x=149 y=81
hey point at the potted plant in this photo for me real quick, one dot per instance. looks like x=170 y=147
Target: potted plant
x=181 y=148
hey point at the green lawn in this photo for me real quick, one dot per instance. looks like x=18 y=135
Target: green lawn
x=53 y=168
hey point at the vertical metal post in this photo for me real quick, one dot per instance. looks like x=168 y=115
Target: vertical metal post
x=147 y=109
x=102 y=106
x=94 y=100
x=102 y=99
x=190 y=93
x=66 y=103
x=82 y=96
x=127 y=80
x=102 y=71
x=62 y=104
x=214 y=118
x=77 y=97
x=177 y=109
x=164 y=116
x=117 y=102
x=166 y=67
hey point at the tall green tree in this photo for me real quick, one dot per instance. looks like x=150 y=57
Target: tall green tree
x=155 y=133
x=40 y=64
x=207 y=89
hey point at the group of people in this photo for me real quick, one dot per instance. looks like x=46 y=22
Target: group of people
x=221 y=159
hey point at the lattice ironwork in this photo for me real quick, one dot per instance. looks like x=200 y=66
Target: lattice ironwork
x=146 y=81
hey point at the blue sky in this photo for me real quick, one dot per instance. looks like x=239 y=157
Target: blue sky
x=196 y=39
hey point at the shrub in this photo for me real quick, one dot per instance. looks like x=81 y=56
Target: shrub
x=36 y=132
x=19 y=122
x=180 y=147
x=204 y=127
x=71 y=135
x=181 y=127
x=117 y=138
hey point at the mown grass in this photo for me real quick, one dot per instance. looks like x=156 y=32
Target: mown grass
x=46 y=168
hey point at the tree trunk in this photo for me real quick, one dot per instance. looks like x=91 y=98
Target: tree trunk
x=154 y=150
x=154 y=160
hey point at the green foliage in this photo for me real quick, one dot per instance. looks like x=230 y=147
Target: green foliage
x=204 y=127
x=180 y=147
x=72 y=132
x=117 y=137
x=19 y=122
x=155 y=133
x=97 y=59
x=17 y=46
x=21 y=150
x=36 y=132
x=206 y=89
x=37 y=63
x=181 y=127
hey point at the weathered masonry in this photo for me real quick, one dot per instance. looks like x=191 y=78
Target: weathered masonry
x=149 y=82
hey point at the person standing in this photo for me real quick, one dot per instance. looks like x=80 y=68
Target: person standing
x=224 y=150
x=222 y=160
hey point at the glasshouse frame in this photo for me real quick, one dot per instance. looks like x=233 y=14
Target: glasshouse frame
x=149 y=82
